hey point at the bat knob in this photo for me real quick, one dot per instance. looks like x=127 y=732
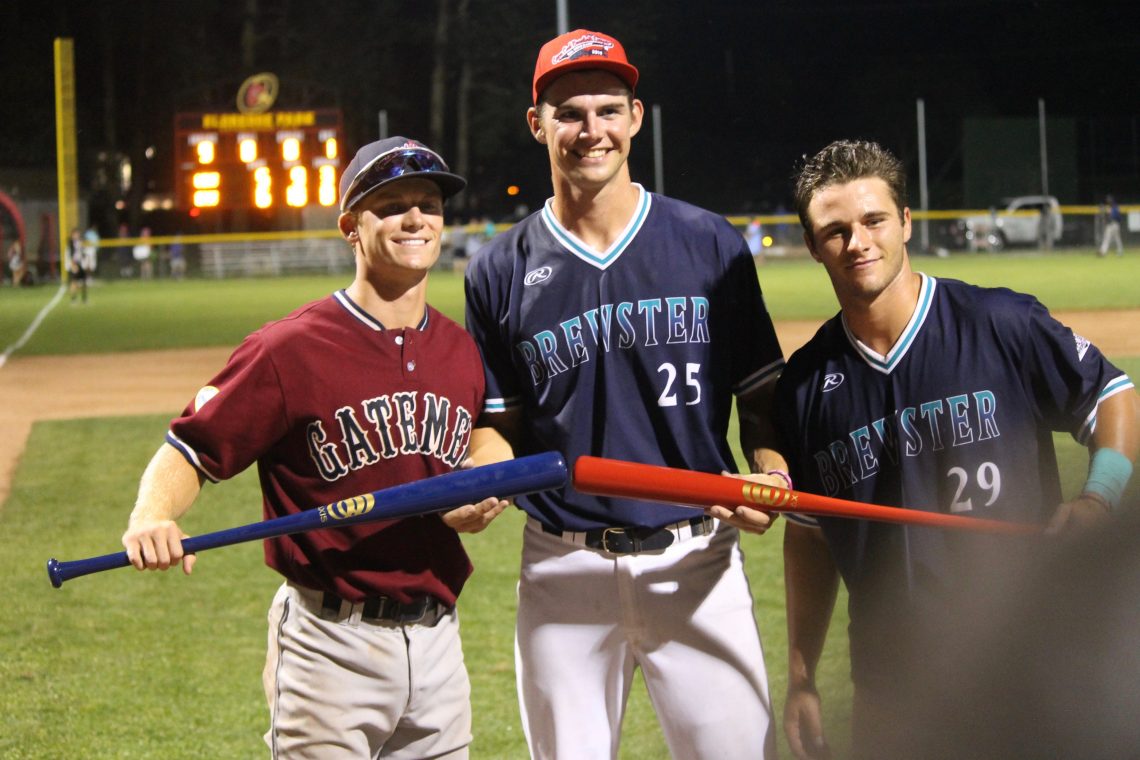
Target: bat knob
x=54 y=573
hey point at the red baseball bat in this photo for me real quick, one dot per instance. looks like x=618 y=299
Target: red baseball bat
x=612 y=477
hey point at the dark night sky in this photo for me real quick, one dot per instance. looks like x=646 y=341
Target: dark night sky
x=746 y=88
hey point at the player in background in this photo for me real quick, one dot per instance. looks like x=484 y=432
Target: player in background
x=76 y=267
x=1111 y=235
x=619 y=323
x=365 y=389
x=930 y=394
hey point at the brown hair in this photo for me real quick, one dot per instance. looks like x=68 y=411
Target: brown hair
x=846 y=161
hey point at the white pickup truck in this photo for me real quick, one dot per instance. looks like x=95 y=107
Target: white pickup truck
x=1019 y=223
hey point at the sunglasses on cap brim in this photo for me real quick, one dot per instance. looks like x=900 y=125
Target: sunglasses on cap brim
x=400 y=163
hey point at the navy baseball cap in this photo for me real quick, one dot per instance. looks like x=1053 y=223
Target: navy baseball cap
x=384 y=161
x=581 y=49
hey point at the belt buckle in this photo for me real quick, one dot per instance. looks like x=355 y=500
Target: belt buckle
x=414 y=611
x=606 y=540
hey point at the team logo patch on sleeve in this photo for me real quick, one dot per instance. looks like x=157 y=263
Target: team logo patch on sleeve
x=831 y=381
x=1082 y=346
x=535 y=276
x=204 y=395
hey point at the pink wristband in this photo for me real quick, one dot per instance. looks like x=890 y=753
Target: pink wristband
x=787 y=478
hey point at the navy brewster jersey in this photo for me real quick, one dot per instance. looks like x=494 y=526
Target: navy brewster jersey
x=633 y=353
x=956 y=418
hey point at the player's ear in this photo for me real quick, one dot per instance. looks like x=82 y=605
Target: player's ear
x=906 y=225
x=637 y=116
x=347 y=224
x=534 y=122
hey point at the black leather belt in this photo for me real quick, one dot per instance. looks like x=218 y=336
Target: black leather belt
x=630 y=540
x=425 y=610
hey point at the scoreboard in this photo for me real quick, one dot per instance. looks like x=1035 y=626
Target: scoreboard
x=270 y=160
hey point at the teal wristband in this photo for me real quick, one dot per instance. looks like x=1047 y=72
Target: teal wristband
x=1109 y=471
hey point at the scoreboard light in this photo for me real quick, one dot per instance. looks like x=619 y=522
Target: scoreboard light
x=270 y=160
x=327 y=137
x=206 y=152
x=297 y=193
x=206 y=184
x=247 y=148
x=326 y=185
x=206 y=198
x=206 y=180
x=262 y=187
x=290 y=146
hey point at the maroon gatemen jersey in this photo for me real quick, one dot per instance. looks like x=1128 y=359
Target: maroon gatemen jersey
x=330 y=404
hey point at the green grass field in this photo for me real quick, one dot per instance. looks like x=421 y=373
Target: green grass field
x=132 y=315
x=121 y=665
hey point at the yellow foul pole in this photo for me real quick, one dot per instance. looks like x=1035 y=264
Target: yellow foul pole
x=64 y=54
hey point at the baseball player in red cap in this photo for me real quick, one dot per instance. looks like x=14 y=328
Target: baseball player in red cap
x=365 y=389
x=619 y=323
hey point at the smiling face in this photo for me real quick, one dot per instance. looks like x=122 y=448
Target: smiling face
x=587 y=119
x=396 y=231
x=859 y=234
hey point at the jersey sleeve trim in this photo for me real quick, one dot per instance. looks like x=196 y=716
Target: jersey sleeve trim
x=190 y=455
x=760 y=377
x=1116 y=385
x=499 y=405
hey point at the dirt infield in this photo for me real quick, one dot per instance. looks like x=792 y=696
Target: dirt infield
x=161 y=382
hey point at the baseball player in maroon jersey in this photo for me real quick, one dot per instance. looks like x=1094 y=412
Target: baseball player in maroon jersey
x=365 y=389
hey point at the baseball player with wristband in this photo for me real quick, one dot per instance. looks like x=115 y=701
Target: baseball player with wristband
x=619 y=323
x=365 y=389
x=931 y=394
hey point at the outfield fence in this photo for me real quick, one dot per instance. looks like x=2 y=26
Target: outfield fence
x=951 y=231
x=272 y=254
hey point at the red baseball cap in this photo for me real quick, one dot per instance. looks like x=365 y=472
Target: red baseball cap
x=581 y=49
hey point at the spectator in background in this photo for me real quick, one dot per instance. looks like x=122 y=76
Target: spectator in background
x=474 y=240
x=1112 y=219
x=91 y=251
x=177 y=259
x=754 y=236
x=123 y=254
x=76 y=266
x=18 y=264
x=144 y=255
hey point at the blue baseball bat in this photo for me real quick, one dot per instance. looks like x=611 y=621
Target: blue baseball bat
x=514 y=477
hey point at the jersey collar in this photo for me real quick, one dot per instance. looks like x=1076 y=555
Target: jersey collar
x=886 y=364
x=574 y=245
x=369 y=321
